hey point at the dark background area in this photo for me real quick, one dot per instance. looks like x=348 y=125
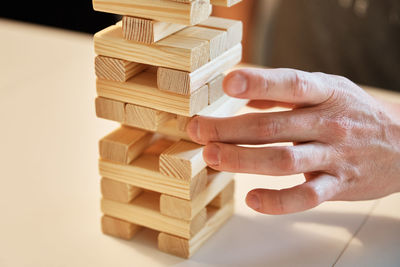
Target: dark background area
x=72 y=15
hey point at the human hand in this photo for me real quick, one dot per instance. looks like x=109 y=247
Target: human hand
x=346 y=143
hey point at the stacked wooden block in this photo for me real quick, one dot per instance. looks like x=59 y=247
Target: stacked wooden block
x=158 y=67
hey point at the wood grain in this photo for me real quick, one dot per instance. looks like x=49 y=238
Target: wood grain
x=144 y=211
x=215 y=89
x=176 y=52
x=145 y=118
x=124 y=144
x=118 y=228
x=142 y=90
x=234 y=28
x=183 y=160
x=146 y=30
x=224 y=196
x=218 y=191
x=144 y=173
x=110 y=109
x=185 y=83
x=160 y=10
x=115 y=69
x=217 y=39
x=117 y=191
x=185 y=248
x=227 y=3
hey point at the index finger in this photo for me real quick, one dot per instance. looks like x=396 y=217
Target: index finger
x=282 y=85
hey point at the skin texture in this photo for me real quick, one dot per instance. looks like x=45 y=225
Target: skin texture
x=344 y=141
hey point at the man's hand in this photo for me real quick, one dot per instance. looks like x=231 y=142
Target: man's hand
x=345 y=142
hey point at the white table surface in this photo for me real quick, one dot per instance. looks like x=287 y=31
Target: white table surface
x=49 y=184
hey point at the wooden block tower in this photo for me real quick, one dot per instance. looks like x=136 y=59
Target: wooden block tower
x=158 y=67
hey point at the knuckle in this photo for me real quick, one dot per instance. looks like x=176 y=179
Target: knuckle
x=267 y=127
x=338 y=127
x=287 y=160
x=299 y=85
x=210 y=132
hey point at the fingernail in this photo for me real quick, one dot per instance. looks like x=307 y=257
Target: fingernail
x=212 y=155
x=193 y=128
x=237 y=84
x=253 y=201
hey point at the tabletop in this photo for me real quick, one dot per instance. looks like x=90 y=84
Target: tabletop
x=50 y=192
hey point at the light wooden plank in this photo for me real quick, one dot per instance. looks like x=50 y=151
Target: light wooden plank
x=170 y=128
x=234 y=28
x=186 y=83
x=145 y=118
x=124 y=144
x=219 y=191
x=224 y=196
x=115 y=69
x=144 y=211
x=177 y=52
x=223 y=107
x=217 y=39
x=158 y=147
x=142 y=90
x=118 y=228
x=146 y=30
x=183 y=160
x=182 y=122
x=185 y=248
x=110 y=109
x=227 y=3
x=215 y=89
x=117 y=191
x=144 y=173
x=160 y=10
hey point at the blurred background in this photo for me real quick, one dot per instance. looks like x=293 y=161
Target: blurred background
x=358 y=39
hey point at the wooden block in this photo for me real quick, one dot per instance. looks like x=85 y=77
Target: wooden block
x=146 y=30
x=115 y=69
x=170 y=128
x=118 y=228
x=144 y=210
x=185 y=83
x=217 y=39
x=225 y=196
x=234 y=28
x=145 y=118
x=177 y=52
x=160 y=10
x=185 y=248
x=183 y=160
x=117 y=191
x=124 y=144
x=144 y=173
x=142 y=90
x=219 y=189
x=110 y=109
x=183 y=121
x=158 y=147
x=215 y=89
x=227 y=3
x=223 y=107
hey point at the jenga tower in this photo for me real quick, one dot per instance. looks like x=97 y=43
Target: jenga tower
x=155 y=70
